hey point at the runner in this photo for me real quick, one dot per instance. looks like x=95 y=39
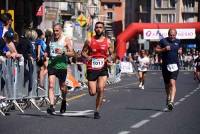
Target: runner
x=60 y=49
x=143 y=64
x=197 y=67
x=170 y=47
x=98 y=52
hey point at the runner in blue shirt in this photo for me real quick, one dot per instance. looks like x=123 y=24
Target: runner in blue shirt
x=169 y=48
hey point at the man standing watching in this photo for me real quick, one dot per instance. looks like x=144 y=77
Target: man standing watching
x=170 y=47
x=98 y=53
x=60 y=48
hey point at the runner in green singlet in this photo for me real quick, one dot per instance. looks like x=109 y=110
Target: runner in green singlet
x=60 y=48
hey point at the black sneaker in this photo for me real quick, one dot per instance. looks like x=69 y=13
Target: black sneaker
x=97 y=115
x=170 y=106
x=51 y=111
x=63 y=106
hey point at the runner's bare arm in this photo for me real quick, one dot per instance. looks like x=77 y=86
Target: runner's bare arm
x=111 y=55
x=110 y=48
x=159 y=49
x=85 y=50
x=69 y=46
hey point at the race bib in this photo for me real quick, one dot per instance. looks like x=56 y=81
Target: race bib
x=53 y=46
x=97 y=63
x=172 y=67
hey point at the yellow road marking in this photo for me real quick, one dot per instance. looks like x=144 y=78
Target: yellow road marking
x=75 y=97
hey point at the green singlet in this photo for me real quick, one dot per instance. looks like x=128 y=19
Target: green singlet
x=57 y=61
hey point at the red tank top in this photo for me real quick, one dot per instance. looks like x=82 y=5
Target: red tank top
x=99 y=52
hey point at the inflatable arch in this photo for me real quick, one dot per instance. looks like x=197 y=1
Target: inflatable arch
x=137 y=28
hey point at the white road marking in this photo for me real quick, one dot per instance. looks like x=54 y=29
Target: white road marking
x=122 y=86
x=177 y=103
x=124 y=132
x=139 y=124
x=195 y=90
x=186 y=96
x=156 y=114
x=191 y=93
x=75 y=113
x=182 y=99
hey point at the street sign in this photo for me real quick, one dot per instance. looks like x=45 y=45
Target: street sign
x=82 y=20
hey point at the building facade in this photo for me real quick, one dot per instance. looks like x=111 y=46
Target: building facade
x=112 y=13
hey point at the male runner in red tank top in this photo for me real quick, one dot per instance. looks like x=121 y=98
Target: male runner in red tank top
x=97 y=51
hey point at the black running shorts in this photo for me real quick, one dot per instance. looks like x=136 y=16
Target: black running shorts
x=92 y=75
x=167 y=75
x=61 y=74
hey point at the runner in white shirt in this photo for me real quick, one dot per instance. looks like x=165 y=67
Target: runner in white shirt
x=143 y=64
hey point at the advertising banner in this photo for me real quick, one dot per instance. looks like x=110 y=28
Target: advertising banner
x=155 y=34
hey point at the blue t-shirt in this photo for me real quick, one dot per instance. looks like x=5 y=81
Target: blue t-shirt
x=170 y=57
x=40 y=42
x=1 y=28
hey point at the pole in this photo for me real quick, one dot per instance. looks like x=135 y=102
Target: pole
x=6 y=5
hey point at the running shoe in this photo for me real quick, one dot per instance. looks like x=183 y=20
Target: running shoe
x=140 y=85
x=170 y=106
x=97 y=115
x=51 y=111
x=63 y=106
x=167 y=101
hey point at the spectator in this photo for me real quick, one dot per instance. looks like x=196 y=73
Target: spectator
x=40 y=58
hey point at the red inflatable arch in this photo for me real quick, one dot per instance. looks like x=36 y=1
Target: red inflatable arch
x=137 y=28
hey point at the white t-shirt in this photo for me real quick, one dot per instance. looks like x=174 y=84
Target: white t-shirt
x=143 y=63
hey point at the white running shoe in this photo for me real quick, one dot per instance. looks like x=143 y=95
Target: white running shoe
x=140 y=85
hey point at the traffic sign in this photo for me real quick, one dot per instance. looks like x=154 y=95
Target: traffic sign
x=81 y=19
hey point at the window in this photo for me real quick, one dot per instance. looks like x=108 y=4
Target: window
x=110 y=6
x=165 y=3
x=189 y=3
x=171 y=18
x=157 y=18
x=158 y=3
x=110 y=15
x=165 y=18
x=172 y=3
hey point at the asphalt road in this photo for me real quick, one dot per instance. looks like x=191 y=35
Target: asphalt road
x=126 y=110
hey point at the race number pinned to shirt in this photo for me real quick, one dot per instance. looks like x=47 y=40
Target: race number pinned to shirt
x=53 y=48
x=98 y=63
x=172 y=67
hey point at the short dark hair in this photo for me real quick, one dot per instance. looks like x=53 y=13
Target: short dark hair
x=9 y=35
x=99 y=22
x=5 y=17
x=39 y=32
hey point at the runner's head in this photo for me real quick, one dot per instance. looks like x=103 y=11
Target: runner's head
x=172 y=34
x=142 y=52
x=57 y=30
x=99 y=28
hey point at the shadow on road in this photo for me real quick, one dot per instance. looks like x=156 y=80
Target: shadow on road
x=142 y=109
